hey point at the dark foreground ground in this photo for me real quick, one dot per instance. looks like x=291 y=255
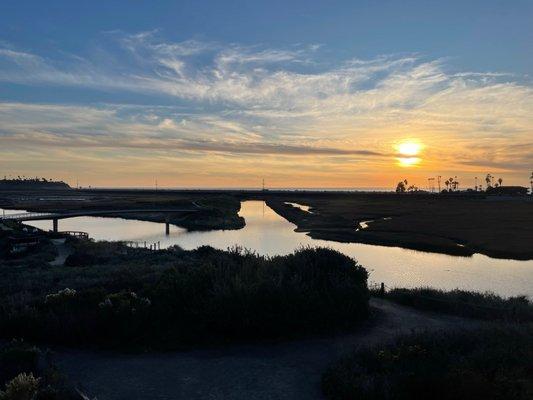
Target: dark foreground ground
x=496 y=226
x=288 y=370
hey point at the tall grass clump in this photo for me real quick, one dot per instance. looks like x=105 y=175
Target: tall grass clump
x=26 y=373
x=203 y=296
x=465 y=303
x=489 y=364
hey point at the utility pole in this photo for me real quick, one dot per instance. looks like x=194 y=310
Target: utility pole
x=431 y=184
x=263 y=184
x=156 y=184
x=476 y=184
x=438 y=179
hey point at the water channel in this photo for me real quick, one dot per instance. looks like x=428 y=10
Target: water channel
x=267 y=233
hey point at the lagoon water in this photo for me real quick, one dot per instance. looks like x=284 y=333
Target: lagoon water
x=267 y=233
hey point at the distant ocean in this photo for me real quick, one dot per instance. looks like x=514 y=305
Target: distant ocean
x=358 y=189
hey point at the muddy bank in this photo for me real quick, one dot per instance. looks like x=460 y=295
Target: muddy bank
x=341 y=230
x=455 y=226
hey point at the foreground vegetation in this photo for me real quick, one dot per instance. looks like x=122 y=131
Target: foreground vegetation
x=464 y=303
x=113 y=296
x=489 y=364
x=26 y=373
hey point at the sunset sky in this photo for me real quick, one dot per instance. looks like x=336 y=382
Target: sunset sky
x=332 y=94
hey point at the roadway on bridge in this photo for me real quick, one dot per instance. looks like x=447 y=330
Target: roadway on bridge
x=37 y=216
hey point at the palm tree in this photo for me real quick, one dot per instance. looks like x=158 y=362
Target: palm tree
x=531 y=182
x=488 y=180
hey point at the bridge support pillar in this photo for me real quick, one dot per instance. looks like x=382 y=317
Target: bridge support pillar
x=167 y=228
x=55 y=225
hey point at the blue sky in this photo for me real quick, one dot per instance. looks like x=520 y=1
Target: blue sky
x=210 y=87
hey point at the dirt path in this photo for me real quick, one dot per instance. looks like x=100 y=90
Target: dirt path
x=289 y=370
x=63 y=251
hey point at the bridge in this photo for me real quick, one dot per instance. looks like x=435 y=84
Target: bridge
x=55 y=216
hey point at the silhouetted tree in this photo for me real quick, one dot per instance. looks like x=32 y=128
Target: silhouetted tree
x=500 y=180
x=401 y=187
x=488 y=180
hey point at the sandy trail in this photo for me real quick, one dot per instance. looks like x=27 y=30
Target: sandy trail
x=63 y=251
x=288 y=370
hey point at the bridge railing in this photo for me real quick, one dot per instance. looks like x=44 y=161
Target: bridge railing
x=24 y=216
x=78 y=234
x=133 y=244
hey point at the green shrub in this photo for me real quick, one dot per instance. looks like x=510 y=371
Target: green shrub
x=17 y=357
x=27 y=373
x=205 y=295
x=22 y=387
x=489 y=364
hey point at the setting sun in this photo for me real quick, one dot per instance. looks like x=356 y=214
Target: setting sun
x=407 y=152
x=409 y=148
x=408 y=161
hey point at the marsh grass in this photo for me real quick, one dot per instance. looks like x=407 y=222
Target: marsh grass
x=490 y=364
x=464 y=303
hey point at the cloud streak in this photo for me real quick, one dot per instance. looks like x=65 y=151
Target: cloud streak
x=253 y=100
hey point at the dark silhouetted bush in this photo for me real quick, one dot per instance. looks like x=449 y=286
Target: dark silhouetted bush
x=464 y=303
x=203 y=296
x=489 y=364
x=26 y=373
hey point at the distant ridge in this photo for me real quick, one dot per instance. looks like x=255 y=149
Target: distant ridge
x=31 y=183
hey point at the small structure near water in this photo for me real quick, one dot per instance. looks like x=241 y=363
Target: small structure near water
x=18 y=244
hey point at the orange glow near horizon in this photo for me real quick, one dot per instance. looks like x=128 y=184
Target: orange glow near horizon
x=408 y=161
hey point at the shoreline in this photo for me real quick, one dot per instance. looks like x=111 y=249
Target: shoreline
x=456 y=226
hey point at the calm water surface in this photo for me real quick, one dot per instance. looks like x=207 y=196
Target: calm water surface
x=269 y=234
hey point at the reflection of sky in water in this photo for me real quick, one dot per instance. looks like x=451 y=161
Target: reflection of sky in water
x=300 y=206
x=268 y=233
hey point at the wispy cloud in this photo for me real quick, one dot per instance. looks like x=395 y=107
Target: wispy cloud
x=250 y=100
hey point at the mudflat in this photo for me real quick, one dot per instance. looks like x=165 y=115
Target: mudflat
x=496 y=226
